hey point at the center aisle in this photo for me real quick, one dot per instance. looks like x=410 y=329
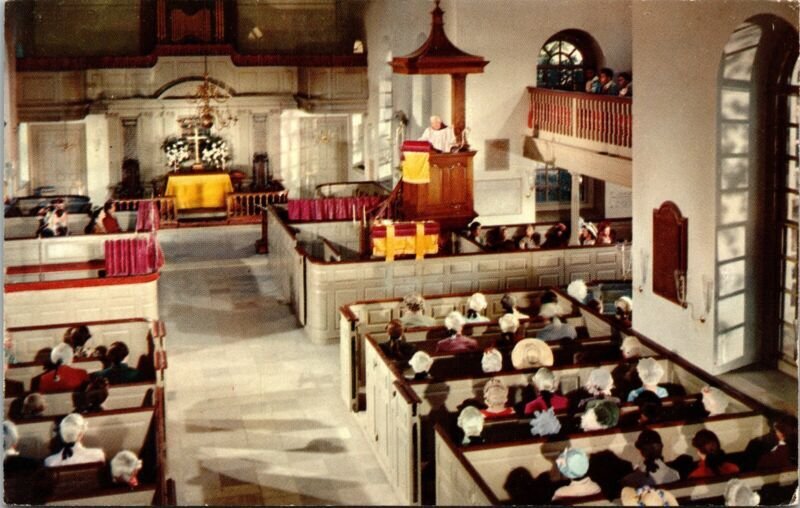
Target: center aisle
x=253 y=415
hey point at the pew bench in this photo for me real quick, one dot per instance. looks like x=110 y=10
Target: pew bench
x=120 y=396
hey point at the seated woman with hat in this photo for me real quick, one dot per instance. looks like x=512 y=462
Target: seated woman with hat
x=456 y=342
x=546 y=385
x=531 y=353
x=475 y=307
x=414 y=315
x=650 y=372
x=61 y=376
x=555 y=330
x=71 y=431
x=574 y=464
x=396 y=348
x=495 y=394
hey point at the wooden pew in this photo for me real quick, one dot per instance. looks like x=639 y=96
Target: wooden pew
x=57 y=250
x=121 y=396
x=52 y=302
x=372 y=316
x=30 y=342
x=25 y=372
x=17 y=228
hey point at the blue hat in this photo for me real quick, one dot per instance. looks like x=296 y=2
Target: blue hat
x=573 y=463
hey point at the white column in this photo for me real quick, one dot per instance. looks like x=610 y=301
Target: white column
x=575 y=208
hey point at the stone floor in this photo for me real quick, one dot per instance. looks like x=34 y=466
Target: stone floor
x=253 y=412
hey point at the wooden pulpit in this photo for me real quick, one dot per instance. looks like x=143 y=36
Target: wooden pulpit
x=447 y=198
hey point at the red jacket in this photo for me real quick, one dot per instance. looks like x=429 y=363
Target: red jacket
x=70 y=378
x=557 y=402
x=457 y=344
x=704 y=471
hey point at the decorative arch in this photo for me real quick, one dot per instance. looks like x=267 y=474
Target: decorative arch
x=162 y=91
x=756 y=274
x=564 y=58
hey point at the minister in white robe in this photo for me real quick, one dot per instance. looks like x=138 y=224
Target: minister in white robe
x=439 y=135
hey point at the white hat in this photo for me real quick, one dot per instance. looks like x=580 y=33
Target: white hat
x=509 y=323
x=124 y=466
x=738 y=493
x=599 y=381
x=714 y=400
x=625 y=303
x=573 y=463
x=578 y=290
x=10 y=435
x=414 y=302
x=631 y=347
x=455 y=321
x=72 y=428
x=477 y=302
x=492 y=360
x=421 y=362
x=470 y=420
x=647 y=496
x=529 y=353
x=544 y=379
x=62 y=354
x=550 y=310
x=591 y=228
x=650 y=371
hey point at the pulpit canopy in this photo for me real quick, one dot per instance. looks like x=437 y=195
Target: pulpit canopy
x=438 y=55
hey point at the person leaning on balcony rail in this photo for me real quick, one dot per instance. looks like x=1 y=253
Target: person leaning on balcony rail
x=607 y=84
x=625 y=84
x=592 y=84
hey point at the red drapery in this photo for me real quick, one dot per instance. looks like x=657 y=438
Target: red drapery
x=331 y=208
x=133 y=256
x=147 y=217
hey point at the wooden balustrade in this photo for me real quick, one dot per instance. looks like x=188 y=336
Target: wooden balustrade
x=246 y=207
x=598 y=118
x=165 y=205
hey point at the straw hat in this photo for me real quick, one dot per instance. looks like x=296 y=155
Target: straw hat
x=647 y=496
x=531 y=353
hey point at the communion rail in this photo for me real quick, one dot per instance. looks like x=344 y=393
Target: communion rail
x=165 y=205
x=594 y=118
x=246 y=207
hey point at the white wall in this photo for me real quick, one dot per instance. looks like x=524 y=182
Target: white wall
x=98 y=167
x=509 y=34
x=677 y=50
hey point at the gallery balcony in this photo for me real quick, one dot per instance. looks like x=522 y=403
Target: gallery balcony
x=587 y=133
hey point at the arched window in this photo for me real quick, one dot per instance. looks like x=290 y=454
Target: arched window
x=564 y=58
x=756 y=289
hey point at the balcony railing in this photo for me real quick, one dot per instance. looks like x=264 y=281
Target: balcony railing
x=597 y=119
x=246 y=207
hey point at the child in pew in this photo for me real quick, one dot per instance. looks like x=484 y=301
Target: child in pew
x=456 y=342
x=711 y=455
x=71 y=431
x=414 y=315
x=651 y=448
x=396 y=348
x=546 y=384
x=125 y=467
x=650 y=372
x=573 y=463
x=555 y=329
x=60 y=376
x=118 y=371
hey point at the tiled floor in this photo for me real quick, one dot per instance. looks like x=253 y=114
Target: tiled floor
x=253 y=412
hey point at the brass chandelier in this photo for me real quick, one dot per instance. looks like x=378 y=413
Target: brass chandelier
x=205 y=97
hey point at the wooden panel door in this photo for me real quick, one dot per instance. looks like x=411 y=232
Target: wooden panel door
x=58 y=157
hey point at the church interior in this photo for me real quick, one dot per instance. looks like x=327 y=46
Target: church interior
x=418 y=252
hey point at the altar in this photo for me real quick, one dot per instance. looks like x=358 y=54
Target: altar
x=199 y=189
